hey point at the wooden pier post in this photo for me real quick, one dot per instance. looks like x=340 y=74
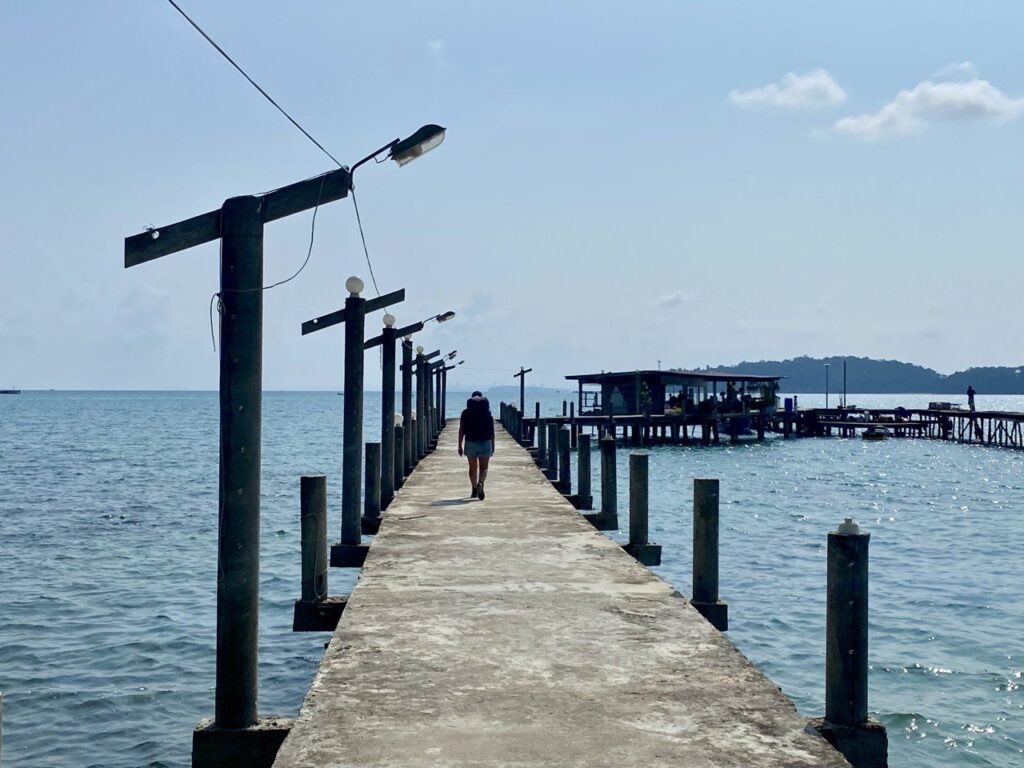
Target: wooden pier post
x=552 y=469
x=371 y=495
x=639 y=546
x=399 y=464
x=573 y=427
x=565 y=408
x=705 y=554
x=314 y=610
x=535 y=436
x=564 y=458
x=846 y=724
x=542 y=443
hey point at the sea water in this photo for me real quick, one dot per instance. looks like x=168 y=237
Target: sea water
x=108 y=524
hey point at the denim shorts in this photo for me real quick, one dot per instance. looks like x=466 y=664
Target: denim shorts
x=475 y=449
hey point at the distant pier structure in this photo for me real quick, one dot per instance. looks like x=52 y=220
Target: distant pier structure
x=672 y=406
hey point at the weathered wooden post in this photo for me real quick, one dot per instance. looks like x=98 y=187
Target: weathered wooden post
x=846 y=724
x=398 y=468
x=573 y=427
x=350 y=552
x=314 y=610
x=534 y=437
x=552 y=469
x=639 y=546
x=705 y=554
x=371 y=494
x=564 y=462
x=565 y=408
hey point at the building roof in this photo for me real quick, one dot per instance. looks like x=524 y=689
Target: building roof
x=672 y=376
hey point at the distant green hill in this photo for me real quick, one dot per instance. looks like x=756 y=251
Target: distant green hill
x=867 y=376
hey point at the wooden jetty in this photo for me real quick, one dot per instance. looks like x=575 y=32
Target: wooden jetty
x=996 y=428
x=510 y=632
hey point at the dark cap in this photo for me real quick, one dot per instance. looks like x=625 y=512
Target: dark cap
x=477 y=393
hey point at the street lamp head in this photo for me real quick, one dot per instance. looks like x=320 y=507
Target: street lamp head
x=444 y=317
x=354 y=286
x=460 y=362
x=419 y=350
x=389 y=320
x=425 y=139
x=398 y=419
x=452 y=354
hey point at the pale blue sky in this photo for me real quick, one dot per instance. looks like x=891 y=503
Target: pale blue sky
x=601 y=200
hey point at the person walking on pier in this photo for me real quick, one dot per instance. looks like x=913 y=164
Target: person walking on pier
x=476 y=440
x=970 y=397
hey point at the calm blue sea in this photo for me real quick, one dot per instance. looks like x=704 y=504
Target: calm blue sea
x=108 y=506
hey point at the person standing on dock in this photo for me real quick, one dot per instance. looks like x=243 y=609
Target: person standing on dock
x=970 y=397
x=476 y=440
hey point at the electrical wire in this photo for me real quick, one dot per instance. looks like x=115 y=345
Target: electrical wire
x=252 y=82
x=309 y=252
x=359 y=220
x=293 y=121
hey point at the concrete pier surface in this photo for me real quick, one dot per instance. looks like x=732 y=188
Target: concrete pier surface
x=509 y=632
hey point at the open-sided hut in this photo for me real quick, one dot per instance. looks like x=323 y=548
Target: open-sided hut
x=618 y=393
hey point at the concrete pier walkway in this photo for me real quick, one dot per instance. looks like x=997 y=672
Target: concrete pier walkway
x=509 y=632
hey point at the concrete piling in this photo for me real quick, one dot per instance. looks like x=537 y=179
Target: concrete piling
x=371 y=494
x=705 y=554
x=399 y=464
x=313 y=519
x=583 y=493
x=551 y=473
x=639 y=546
x=241 y=372
x=542 y=444
x=846 y=725
x=314 y=610
x=564 y=455
x=607 y=519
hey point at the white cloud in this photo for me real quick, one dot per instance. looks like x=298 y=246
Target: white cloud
x=674 y=299
x=809 y=91
x=928 y=102
x=957 y=70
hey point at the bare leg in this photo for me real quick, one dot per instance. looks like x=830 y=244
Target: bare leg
x=484 y=461
x=473 y=472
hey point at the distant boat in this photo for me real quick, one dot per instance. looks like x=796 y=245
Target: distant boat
x=10 y=391
x=875 y=433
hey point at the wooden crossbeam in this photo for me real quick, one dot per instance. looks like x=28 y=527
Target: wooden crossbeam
x=522 y=372
x=338 y=316
x=293 y=198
